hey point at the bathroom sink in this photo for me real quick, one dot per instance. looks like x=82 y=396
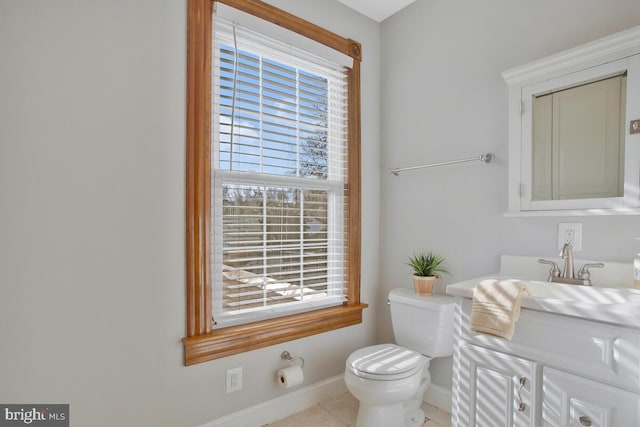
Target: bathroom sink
x=578 y=293
x=614 y=305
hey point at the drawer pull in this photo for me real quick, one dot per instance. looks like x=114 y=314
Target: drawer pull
x=521 y=382
x=585 y=421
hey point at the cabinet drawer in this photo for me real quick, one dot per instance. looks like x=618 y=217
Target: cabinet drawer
x=596 y=350
x=568 y=400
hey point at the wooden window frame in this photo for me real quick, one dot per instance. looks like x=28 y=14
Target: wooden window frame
x=202 y=343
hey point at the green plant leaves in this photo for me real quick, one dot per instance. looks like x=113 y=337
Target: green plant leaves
x=427 y=264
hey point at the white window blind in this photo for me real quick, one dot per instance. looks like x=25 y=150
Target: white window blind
x=279 y=174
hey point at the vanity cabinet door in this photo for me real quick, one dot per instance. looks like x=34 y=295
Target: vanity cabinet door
x=572 y=401
x=495 y=389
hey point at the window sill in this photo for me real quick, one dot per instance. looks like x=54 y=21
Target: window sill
x=238 y=339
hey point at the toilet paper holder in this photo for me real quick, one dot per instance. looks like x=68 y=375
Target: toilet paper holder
x=292 y=359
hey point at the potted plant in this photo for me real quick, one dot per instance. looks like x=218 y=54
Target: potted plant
x=426 y=267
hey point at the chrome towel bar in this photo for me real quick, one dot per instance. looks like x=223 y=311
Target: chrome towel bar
x=487 y=158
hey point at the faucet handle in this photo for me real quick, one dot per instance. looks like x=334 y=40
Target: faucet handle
x=554 y=271
x=584 y=272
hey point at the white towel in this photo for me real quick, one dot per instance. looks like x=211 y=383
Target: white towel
x=496 y=306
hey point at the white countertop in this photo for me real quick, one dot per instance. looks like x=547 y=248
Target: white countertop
x=619 y=305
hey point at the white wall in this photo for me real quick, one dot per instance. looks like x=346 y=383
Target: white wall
x=92 y=256
x=443 y=98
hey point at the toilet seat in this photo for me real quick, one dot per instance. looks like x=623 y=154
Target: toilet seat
x=385 y=362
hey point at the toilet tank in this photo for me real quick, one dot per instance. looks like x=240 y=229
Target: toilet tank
x=422 y=323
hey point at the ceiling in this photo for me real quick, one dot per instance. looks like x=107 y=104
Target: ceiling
x=378 y=10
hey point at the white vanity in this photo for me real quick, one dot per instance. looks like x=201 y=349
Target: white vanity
x=574 y=359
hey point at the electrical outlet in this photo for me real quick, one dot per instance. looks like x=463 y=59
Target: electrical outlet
x=234 y=379
x=570 y=232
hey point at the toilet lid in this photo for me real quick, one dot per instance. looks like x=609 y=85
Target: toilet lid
x=388 y=361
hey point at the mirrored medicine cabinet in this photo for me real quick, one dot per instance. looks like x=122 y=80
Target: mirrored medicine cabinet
x=573 y=146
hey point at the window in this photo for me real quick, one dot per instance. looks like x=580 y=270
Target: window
x=279 y=151
x=273 y=185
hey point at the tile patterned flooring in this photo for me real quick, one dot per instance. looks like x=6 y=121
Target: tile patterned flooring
x=340 y=411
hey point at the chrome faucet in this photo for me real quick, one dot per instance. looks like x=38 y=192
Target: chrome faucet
x=567 y=276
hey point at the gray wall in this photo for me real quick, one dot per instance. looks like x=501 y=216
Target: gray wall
x=443 y=98
x=92 y=196
x=92 y=104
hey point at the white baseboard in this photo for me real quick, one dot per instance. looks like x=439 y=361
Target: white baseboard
x=283 y=406
x=439 y=397
x=306 y=397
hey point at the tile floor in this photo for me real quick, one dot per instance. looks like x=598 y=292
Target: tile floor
x=340 y=411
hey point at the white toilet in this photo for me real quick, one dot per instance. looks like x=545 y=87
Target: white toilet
x=390 y=380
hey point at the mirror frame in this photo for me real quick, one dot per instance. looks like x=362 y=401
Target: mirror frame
x=600 y=58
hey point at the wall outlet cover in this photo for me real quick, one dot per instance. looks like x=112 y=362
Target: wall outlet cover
x=234 y=379
x=570 y=232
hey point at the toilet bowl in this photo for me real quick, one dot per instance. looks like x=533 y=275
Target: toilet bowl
x=386 y=380
x=390 y=380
